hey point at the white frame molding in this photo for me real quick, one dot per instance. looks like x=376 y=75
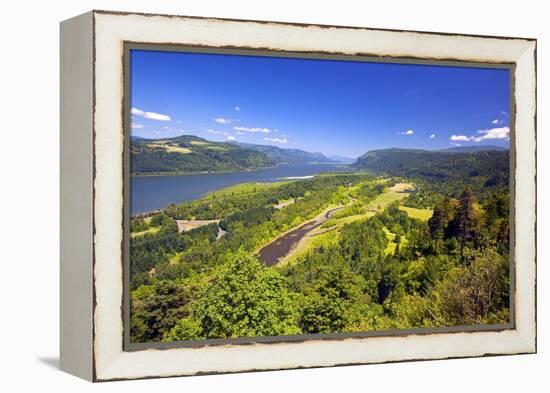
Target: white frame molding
x=92 y=69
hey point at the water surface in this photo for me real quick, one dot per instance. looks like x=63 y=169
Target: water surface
x=148 y=193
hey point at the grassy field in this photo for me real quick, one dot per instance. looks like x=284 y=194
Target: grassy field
x=421 y=214
x=174 y=260
x=395 y=193
x=170 y=148
x=150 y=230
x=243 y=189
x=328 y=233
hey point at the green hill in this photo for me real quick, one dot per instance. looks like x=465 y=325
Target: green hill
x=451 y=169
x=191 y=154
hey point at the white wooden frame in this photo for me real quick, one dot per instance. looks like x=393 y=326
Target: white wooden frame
x=92 y=194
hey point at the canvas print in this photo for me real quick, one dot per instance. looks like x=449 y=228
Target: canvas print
x=286 y=196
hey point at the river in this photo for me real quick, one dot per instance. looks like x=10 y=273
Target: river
x=282 y=246
x=149 y=193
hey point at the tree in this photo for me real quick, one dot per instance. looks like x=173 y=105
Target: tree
x=156 y=309
x=469 y=294
x=444 y=213
x=332 y=303
x=244 y=299
x=467 y=223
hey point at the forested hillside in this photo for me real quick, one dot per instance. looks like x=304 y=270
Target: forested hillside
x=445 y=172
x=191 y=154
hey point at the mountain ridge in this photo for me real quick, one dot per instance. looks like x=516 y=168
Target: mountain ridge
x=287 y=155
x=192 y=154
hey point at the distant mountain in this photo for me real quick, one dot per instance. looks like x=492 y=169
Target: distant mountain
x=191 y=154
x=471 y=149
x=287 y=156
x=343 y=159
x=485 y=168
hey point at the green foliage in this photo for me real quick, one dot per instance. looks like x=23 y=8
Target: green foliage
x=138 y=224
x=447 y=271
x=441 y=172
x=156 y=309
x=203 y=156
x=244 y=299
x=470 y=294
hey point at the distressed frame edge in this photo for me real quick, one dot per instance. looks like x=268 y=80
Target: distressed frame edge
x=181 y=48
x=76 y=196
x=528 y=340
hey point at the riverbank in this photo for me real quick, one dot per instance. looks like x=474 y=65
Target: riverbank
x=298 y=241
x=149 y=193
x=155 y=174
x=280 y=247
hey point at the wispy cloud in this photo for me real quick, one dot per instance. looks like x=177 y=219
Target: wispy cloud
x=137 y=125
x=238 y=108
x=222 y=120
x=493 y=133
x=456 y=144
x=231 y=138
x=277 y=140
x=149 y=115
x=497 y=121
x=408 y=132
x=462 y=138
x=254 y=129
x=432 y=136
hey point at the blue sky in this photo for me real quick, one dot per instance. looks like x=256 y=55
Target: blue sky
x=334 y=107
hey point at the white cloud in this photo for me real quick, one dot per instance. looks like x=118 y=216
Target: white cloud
x=255 y=129
x=456 y=144
x=493 y=133
x=278 y=140
x=408 y=132
x=150 y=115
x=239 y=133
x=432 y=136
x=222 y=120
x=136 y=125
x=238 y=109
x=504 y=113
x=231 y=138
x=496 y=121
x=462 y=138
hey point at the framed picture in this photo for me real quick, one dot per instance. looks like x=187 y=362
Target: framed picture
x=245 y=195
